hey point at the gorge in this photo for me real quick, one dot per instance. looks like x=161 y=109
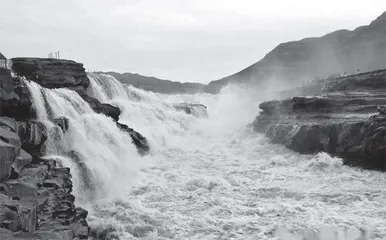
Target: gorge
x=144 y=168
x=270 y=152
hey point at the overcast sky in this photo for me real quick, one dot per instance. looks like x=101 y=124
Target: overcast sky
x=180 y=40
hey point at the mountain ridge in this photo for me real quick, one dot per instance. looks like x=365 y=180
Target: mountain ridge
x=296 y=61
x=157 y=85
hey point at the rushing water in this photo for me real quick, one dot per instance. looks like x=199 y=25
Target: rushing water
x=206 y=177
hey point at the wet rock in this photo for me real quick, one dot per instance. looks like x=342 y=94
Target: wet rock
x=62 y=122
x=198 y=110
x=52 y=73
x=103 y=108
x=139 y=141
x=86 y=180
x=33 y=135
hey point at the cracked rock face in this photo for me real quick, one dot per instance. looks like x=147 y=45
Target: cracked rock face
x=52 y=73
x=336 y=122
x=35 y=194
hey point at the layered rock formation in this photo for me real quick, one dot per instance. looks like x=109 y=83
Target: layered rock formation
x=295 y=62
x=35 y=192
x=347 y=120
x=52 y=73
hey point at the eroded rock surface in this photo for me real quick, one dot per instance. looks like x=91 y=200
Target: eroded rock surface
x=103 y=108
x=348 y=124
x=139 y=141
x=52 y=73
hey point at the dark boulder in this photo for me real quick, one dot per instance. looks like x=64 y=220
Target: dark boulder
x=62 y=122
x=197 y=110
x=139 y=141
x=103 y=108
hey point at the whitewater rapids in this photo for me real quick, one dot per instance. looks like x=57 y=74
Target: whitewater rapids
x=206 y=177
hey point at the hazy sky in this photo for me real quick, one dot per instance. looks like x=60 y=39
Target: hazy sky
x=181 y=40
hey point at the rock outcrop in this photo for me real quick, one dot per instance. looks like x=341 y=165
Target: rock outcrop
x=103 y=108
x=39 y=205
x=35 y=193
x=52 y=73
x=58 y=73
x=14 y=97
x=349 y=124
x=139 y=141
x=195 y=109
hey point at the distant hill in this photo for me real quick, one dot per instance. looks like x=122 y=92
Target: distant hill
x=294 y=62
x=157 y=85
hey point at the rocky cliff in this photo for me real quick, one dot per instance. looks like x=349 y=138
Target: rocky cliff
x=347 y=119
x=298 y=61
x=60 y=73
x=52 y=73
x=36 y=200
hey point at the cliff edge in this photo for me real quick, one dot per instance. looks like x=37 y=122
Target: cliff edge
x=347 y=120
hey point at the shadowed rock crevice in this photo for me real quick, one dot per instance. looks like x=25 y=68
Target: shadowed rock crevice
x=15 y=98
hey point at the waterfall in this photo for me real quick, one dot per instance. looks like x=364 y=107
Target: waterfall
x=149 y=113
x=100 y=152
x=205 y=176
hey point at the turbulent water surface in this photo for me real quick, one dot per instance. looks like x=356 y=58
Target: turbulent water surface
x=206 y=177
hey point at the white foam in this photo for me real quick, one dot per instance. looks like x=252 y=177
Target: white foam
x=212 y=178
